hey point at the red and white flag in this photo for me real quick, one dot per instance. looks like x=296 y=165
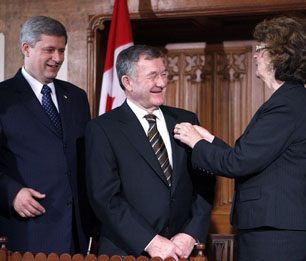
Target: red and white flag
x=120 y=37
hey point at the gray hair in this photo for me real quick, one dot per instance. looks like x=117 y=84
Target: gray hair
x=127 y=59
x=33 y=28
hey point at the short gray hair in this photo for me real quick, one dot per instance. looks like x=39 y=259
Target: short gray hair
x=127 y=59
x=33 y=28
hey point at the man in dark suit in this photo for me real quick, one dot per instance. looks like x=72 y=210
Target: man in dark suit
x=144 y=203
x=40 y=147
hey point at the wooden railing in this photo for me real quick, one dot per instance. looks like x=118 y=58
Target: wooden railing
x=222 y=247
x=7 y=255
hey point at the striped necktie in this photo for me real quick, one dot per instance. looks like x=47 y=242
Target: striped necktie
x=159 y=147
x=50 y=109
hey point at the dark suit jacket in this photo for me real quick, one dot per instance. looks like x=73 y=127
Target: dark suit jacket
x=33 y=155
x=268 y=163
x=128 y=190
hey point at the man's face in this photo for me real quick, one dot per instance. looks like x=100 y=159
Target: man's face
x=44 y=60
x=148 y=89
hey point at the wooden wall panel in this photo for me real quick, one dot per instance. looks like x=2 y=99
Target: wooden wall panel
x=153 y=19
x=76 y=16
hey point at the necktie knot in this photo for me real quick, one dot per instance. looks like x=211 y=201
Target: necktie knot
x=151 y=118
x=46 y=90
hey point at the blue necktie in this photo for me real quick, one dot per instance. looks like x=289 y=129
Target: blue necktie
x=50 y=109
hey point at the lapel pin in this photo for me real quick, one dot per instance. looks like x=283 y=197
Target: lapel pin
x=65 y=97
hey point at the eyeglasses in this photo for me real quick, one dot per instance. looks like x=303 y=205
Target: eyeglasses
x=258 y=48
x=153 y=76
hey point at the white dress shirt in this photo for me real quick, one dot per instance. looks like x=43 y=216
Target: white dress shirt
x=162 y=129
x=37 y=86
x=160 y=122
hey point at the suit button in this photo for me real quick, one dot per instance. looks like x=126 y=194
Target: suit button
x=65 y=145
x=172 y=200
x=68 y=203
x=69 y=173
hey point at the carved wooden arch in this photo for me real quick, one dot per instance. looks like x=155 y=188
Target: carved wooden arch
x=96 y=23
x=96 y=56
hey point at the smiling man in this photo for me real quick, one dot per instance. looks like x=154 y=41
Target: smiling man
x=43 y=60
x=139 y=178
x=42 y=123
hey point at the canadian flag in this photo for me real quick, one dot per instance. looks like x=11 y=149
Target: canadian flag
x=120 y=37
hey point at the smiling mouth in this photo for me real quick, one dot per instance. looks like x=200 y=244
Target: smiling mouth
x=53 y=66
x=157 y=90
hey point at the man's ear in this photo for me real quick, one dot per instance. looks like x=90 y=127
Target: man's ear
x=127 y=82
x=25 y=49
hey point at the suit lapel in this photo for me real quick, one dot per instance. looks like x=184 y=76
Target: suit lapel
x=134 y=132
x=63 y=100
x=30 y=101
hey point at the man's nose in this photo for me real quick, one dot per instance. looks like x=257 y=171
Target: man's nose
x=58 y=56
x=161 y=80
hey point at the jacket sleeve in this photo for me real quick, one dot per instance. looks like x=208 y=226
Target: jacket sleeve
x=9 y=187
x=261 y=143
x=198 y=224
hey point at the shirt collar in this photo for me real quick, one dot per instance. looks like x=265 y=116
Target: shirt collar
x=35 y=84
x=140 y=113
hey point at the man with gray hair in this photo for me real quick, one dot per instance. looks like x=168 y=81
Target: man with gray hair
x=42 y=123
x=140 y=181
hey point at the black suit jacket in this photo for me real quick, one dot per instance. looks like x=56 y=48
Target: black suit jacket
x=33 y=155
x=128 y=190
x=268 y=163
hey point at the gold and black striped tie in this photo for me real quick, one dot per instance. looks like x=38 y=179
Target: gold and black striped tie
x=159 y=147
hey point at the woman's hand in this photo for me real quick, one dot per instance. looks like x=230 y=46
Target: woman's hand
x=187 y=133
x=205 y=133
x=191 y=134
